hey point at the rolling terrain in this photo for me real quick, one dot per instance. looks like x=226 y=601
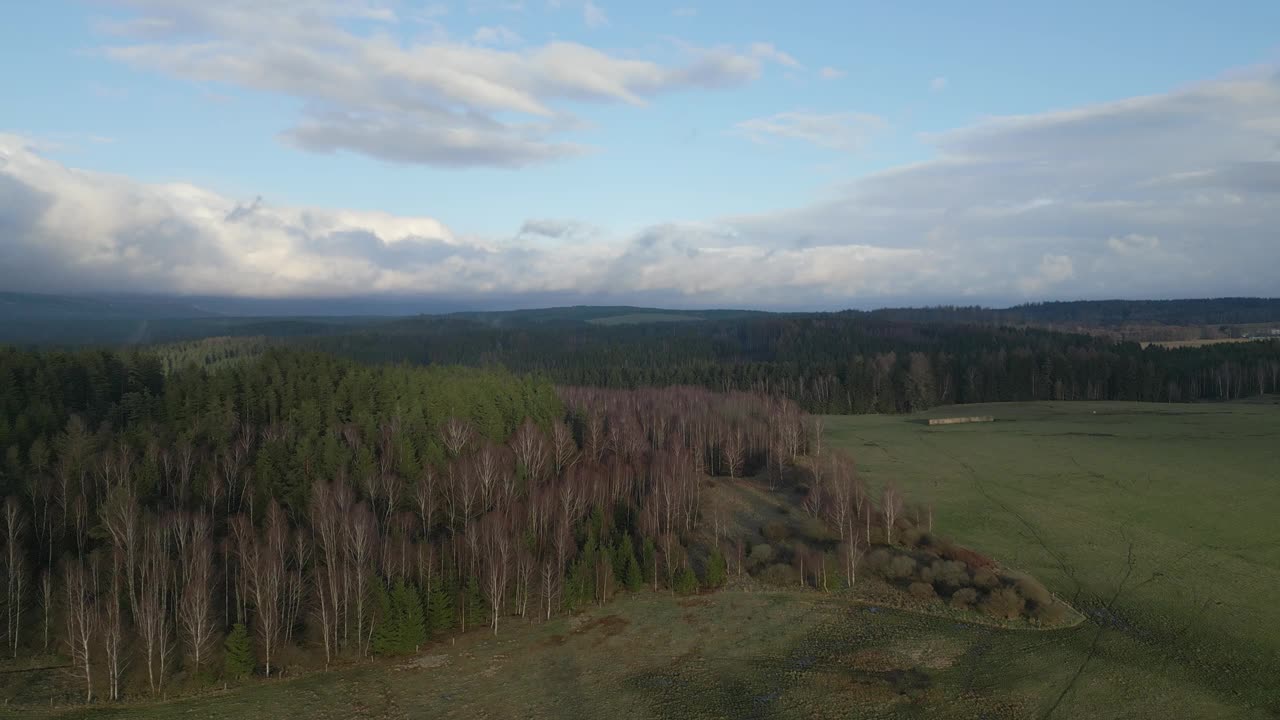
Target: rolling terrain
x=1154 y=520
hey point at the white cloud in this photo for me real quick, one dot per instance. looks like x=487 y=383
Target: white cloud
x=593 y=16
x=1133 y=244
x=837 y=131
x=1053 y=270
x=938 y=84
x=1160 y=196
x=495 y=35
x=830 y=73
x=454 y=103
x=766 y=51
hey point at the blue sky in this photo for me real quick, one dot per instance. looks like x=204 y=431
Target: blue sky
x=734 y=131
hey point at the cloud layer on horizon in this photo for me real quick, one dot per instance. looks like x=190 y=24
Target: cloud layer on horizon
x=1173 y=195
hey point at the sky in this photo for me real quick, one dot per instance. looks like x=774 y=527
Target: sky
x=801 y=155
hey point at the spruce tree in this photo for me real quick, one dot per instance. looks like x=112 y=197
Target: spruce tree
x=386 y=634
x=238 y=661
x=440 y=608
x=717 y=569
x=408 y=610
x=684 y=582
x=634 y=578
x=474 y=607
x=649 y=562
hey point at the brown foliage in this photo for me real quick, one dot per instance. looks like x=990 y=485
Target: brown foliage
x=964 y=598
x=922 y=590
x=1004 y=603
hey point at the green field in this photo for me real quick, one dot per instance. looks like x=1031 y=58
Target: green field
x=1156 y=521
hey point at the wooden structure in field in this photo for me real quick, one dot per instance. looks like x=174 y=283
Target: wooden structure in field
x=959 y=420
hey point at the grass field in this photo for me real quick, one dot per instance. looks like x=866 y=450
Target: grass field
x=1157 y=521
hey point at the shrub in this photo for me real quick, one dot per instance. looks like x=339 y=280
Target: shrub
x=910 y=537
x=1033 y=591
x=238 y=661
x=973 y=559
x=985 y=579
x=760 y=555
x=775 y=532
x=964 y=598
x=1050 y=613
x=950 y=573
x=780 y=575
x=902 y=566
x=878 y=560
x=1003 y=603
x=922 y=590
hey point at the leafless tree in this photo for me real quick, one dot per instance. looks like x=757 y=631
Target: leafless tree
x=530 y=448
x=455 y=435
x=81 y=622
x=120 y=515
x=15 y=524
x=195 y=606
x=111 y=626
x=564 y=450
x=497 y=563
x=152 y=611
x=361 y=538
x=890 y=504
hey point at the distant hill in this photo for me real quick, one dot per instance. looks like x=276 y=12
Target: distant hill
x=597 y=315
x=36 y=319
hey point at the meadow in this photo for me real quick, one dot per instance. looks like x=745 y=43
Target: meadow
x=1155 y=521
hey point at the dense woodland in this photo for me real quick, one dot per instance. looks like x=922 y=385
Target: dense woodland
x=168 y=530
x=835 y=364
x=300 y=509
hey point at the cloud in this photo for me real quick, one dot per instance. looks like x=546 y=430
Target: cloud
x=938 y=84
x=1053 y=270
x=593 y=16
x=837 y=131
x=830 y=73
x=1171 y=195
x=1133 y=244
x=436 y=101
x=495 y=35
x=766 y=51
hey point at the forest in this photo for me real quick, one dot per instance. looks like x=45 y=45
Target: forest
x=166 y=530
x=834 y=363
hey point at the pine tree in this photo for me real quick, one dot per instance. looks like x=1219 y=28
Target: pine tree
x=717 y=569
x=475 y=608
x=634 y=578
x=408 y=609
x=238 y=662
x=685 y=581
x=649 y=563
x=386 y=634
x=439 y=608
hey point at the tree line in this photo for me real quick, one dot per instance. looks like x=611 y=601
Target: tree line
x=835 y=363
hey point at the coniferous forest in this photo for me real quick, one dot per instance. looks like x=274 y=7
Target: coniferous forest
x=836 y=363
